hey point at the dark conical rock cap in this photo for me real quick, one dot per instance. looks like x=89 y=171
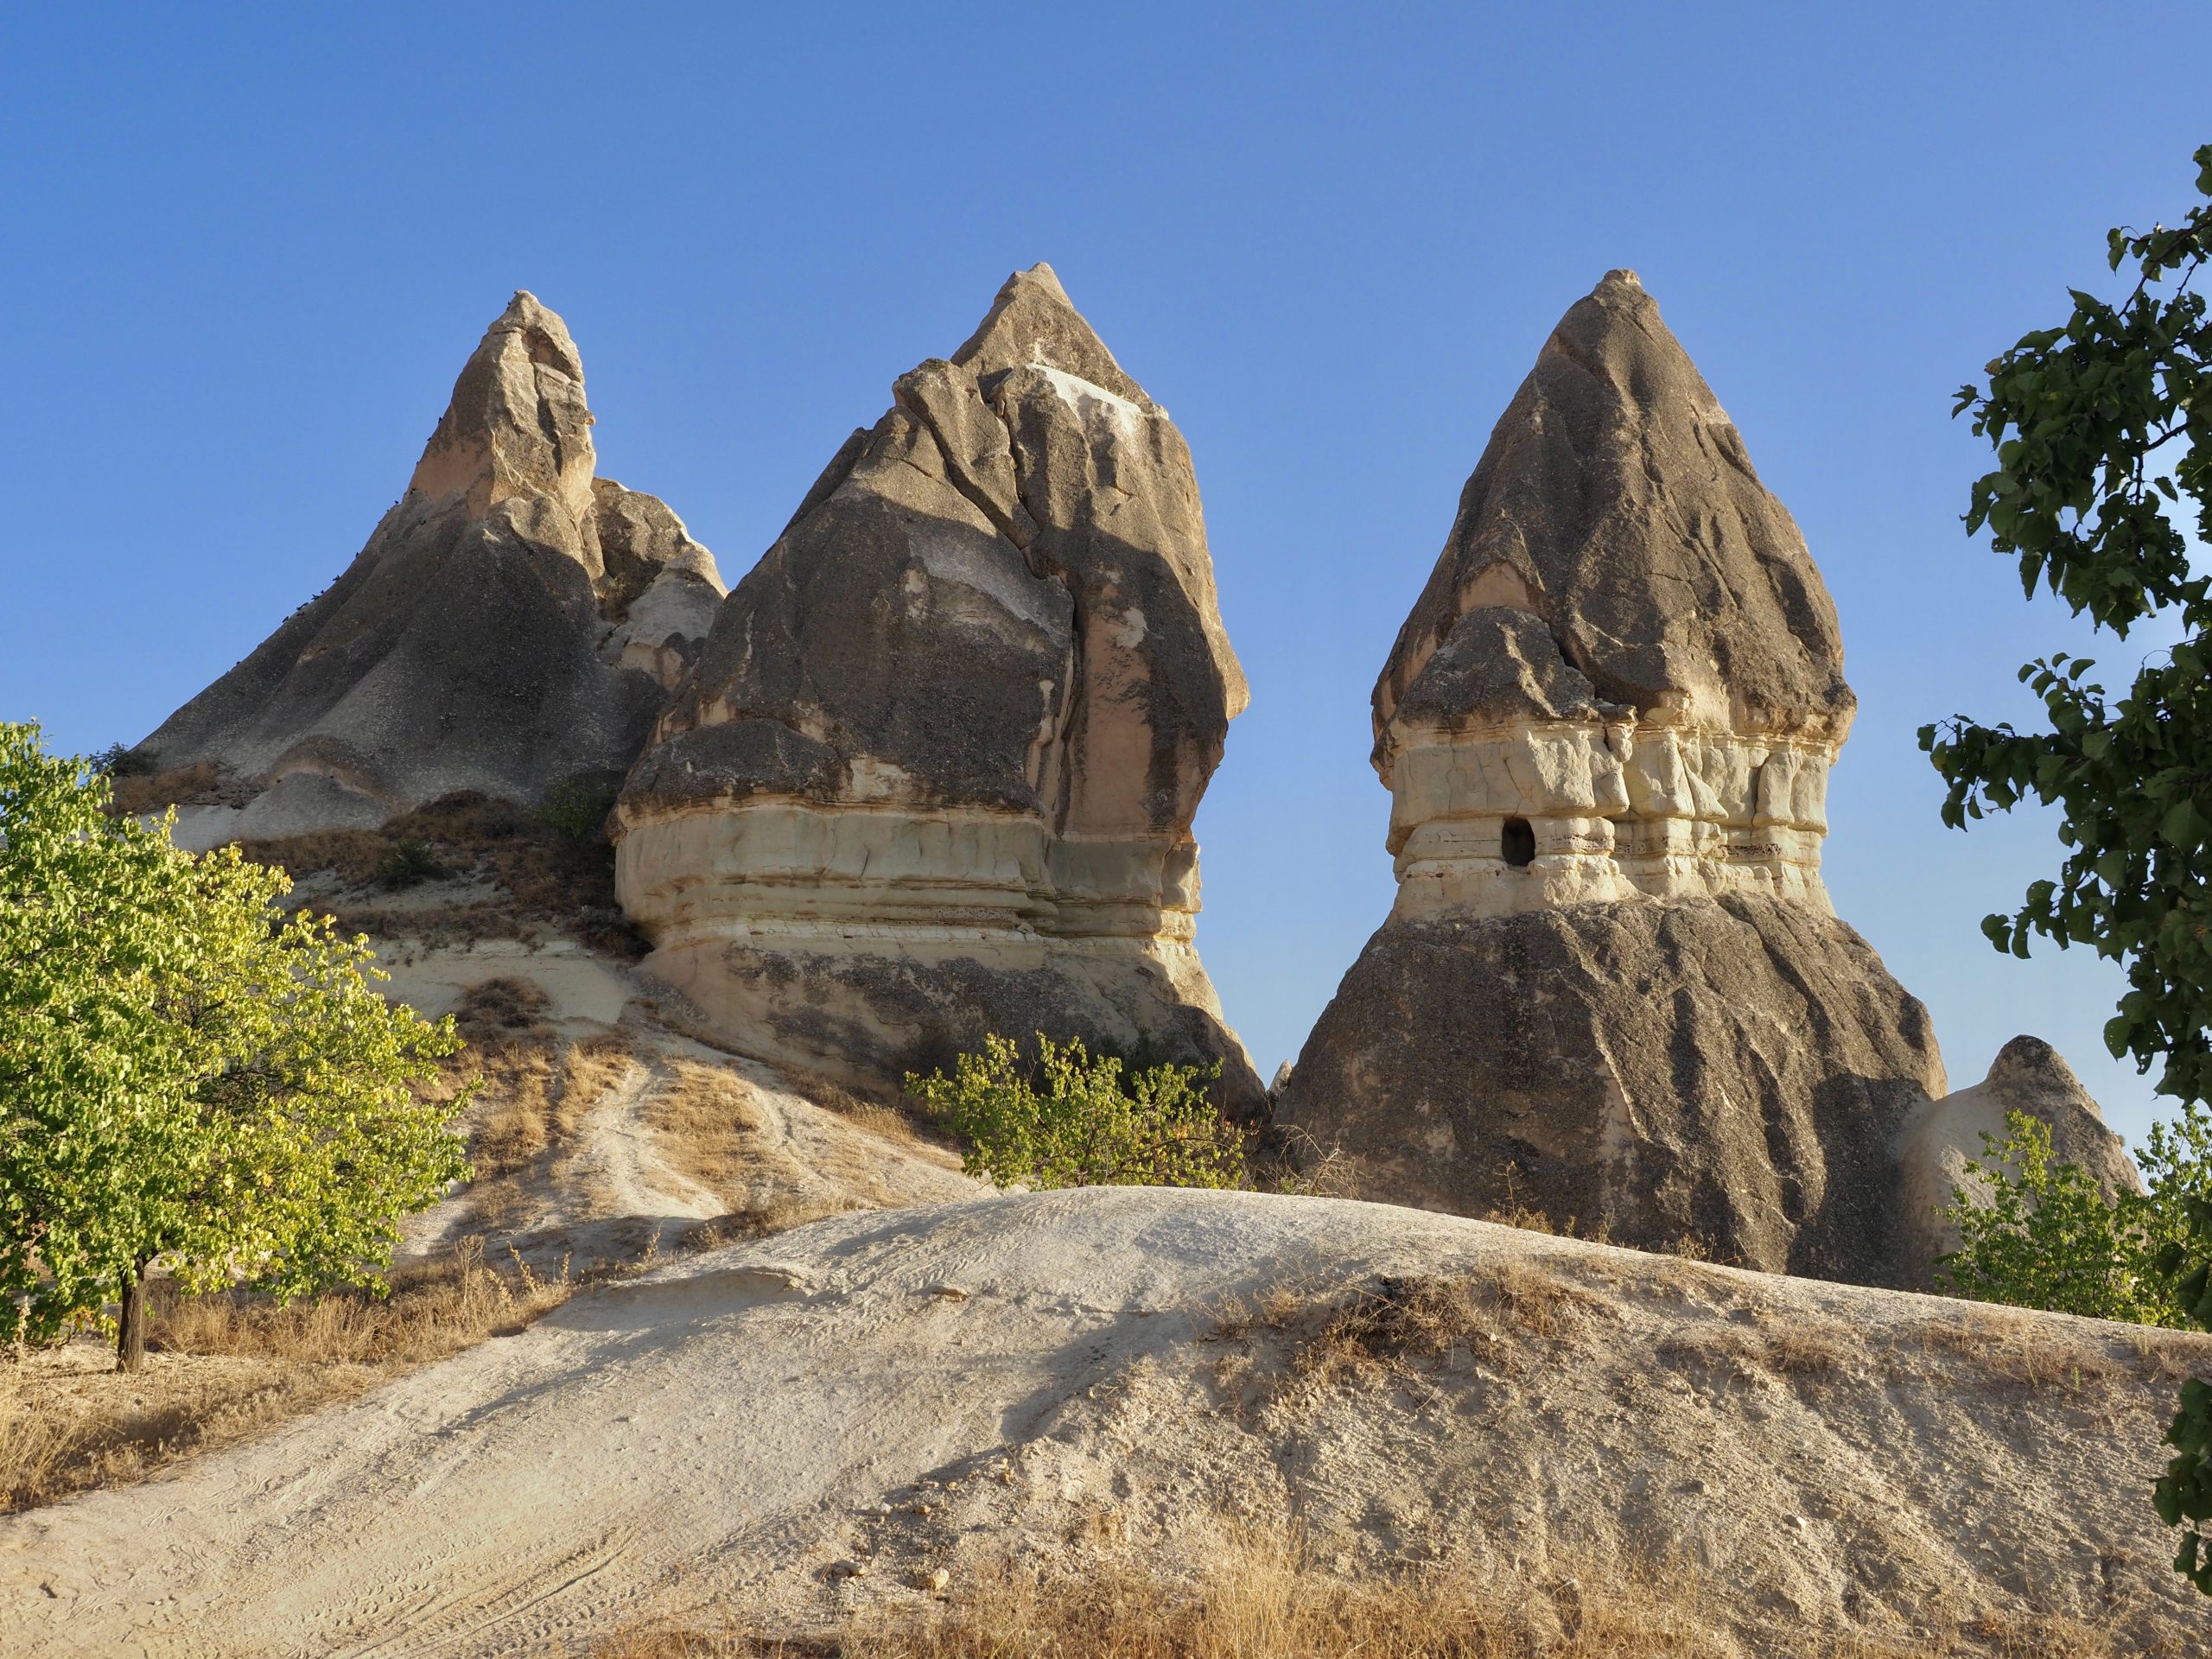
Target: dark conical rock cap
x=1616 y=501
x=2029 y=1067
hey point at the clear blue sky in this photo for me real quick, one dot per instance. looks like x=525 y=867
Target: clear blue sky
x=249 y=247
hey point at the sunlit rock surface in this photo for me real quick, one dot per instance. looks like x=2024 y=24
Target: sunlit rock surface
x=935 y=772
x=513 y=623
x=1612 y=988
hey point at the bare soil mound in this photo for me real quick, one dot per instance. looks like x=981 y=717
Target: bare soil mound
x=1076 y=1379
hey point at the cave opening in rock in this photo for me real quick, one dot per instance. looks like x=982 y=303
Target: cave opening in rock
x=1517 y=844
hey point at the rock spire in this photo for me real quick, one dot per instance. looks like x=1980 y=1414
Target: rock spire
x=935 y=772
x=1613 y=987
x=514 y=622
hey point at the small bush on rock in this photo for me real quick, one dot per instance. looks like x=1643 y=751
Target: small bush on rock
x=576 y=811
x=2033 y=1233
x=1076 y=1120
x=409 y=862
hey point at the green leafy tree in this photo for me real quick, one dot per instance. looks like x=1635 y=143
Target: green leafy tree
x=1074 y=1121
x=2103 y=429
x=2034 y=1233
x=191 y=1080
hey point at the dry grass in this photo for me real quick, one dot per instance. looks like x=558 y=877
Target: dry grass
x=546 y=880
x=202 y=784
x=778 y=1213
x=1256 y=1599
x=536 y=1091
x=2027 y=1349
x=713 y=1125
x=1397 y=1328
x=905 y=1120
x=711 y=1128
x=710 y=1125
x=224 y=1368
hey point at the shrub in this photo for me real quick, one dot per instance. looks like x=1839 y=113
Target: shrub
x=576 y=811
x=409 y=862
x=116 y=761
x=1076 y=1120
x=2041 y=1233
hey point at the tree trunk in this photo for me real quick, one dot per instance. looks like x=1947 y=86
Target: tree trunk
x=130 y=1339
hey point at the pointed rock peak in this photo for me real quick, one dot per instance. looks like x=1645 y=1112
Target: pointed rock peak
x=1033 y=321
x=516 y=423
x=1616 y=496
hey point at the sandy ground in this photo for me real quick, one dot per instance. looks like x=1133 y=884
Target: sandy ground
x=1035 y=1377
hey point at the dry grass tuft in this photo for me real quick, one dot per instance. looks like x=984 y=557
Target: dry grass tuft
x=777 y=1213
x=202 y=784
x=495 y=1013
x=2027 y=1350
x=901 y=1118
x=1399 y=1327
x=435 y=1308
x=224 y=1368
x=708 y=1122
x=1256 y=1599
x=1807 y=1348
x=536 y=1091
x=710 y=1125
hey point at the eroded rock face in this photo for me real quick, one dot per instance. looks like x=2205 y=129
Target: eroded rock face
x=1624 y=647
x=514 y=622
x=1728 y=1073
x=1613 y=987
x=1937 y=1142
x=935 y=772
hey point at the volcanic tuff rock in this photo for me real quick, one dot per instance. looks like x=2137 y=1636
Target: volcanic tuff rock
x=1935 y=1145
x=1613 y=987
x=513 y=623
x=935 y=772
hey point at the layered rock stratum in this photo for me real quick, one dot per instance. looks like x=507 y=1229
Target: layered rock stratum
x=514 y=624
x=1613 y=987
x=934 y=772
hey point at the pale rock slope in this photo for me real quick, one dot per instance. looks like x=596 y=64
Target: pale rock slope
x=605 y=1132
x=515 y=623
x=935 y=772
x=1061 y=1378
x=1612 y=988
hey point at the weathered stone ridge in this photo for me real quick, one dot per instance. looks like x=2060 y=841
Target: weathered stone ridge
x=514 y=622
x=961 y=714
x=1625 y=650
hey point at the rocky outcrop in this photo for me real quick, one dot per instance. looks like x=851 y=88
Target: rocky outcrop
x=513 y=623
x=1613 y=987
x=1937 y=1142
x=935 y=772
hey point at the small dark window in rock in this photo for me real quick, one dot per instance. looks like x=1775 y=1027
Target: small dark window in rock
x=1519 y=844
